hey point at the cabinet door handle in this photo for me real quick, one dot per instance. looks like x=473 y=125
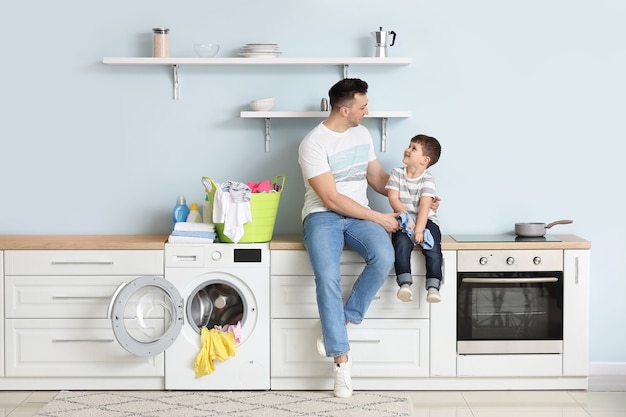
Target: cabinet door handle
x=364 y=340
x=82 y=262
x=83 y=340
x=576 y=276
x=508 y=280
x=80 y=297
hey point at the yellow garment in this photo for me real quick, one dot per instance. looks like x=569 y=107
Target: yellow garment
x=216 y=344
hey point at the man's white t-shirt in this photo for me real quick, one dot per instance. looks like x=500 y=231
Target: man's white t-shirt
x=345 y=154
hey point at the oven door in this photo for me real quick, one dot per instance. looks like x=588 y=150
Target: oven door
x=510 y=312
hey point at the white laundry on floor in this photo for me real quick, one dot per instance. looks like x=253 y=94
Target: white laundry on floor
x=231 y=206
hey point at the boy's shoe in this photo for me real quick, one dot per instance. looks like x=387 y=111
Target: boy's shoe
x=321 y=349
x=433 y=295
x=405 y=294
x=343 y=379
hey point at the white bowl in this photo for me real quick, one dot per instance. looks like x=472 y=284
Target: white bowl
x=263 y=104
x=206 y=50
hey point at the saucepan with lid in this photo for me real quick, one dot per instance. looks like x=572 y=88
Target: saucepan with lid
x=536 y=229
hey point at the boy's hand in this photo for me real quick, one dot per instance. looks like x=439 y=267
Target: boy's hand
x=418 y=237
x=435 y=204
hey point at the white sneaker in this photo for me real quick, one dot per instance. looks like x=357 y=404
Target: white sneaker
x=343 y=379
x=433 y=295
x=405 y=294
x=321 y=349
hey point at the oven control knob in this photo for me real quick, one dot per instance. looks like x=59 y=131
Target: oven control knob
x=482 y=261
x=536 y=260
x=510 y=260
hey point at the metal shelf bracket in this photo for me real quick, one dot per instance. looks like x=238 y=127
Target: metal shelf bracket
x=267 y=134
x=383 y=135
x=175 y=76
x=345 y=70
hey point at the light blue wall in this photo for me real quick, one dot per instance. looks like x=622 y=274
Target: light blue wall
x=527 y=99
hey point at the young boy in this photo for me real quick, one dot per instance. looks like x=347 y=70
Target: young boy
x=411 y=189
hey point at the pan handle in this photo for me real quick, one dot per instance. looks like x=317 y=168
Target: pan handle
x=549 y=225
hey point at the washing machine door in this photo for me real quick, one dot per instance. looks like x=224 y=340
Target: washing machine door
x=146 y=315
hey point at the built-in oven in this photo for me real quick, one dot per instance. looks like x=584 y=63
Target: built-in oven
x=509 y=302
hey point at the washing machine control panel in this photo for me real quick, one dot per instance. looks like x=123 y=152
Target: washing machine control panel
x=223 y=255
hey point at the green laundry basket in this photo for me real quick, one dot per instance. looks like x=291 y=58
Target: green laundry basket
x=263 y=207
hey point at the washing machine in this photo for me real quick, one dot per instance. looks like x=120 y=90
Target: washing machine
x=204 y=285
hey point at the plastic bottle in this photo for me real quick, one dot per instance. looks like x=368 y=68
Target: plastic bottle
x=181 y=211
x=194 y=214
x=207 y=210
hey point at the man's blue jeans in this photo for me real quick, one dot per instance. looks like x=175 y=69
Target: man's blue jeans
x=325 y=235
x=404 y=245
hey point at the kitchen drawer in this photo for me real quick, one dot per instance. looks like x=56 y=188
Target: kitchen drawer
x=60 y=296
x=83 y=262
x=72 y=348
x=379 y=348
x=296 y=262
x=294 y=297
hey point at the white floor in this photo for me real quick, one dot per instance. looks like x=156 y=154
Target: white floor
x=592 y=403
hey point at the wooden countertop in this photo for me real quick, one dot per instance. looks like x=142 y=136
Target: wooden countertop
x=280 y=242
x=448 y=243
x=71 y=242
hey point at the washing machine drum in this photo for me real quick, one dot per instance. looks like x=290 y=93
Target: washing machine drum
x=215 y=304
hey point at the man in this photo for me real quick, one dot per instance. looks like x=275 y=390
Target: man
x=338 y=162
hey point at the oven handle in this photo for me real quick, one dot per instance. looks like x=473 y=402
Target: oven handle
x=477 y=280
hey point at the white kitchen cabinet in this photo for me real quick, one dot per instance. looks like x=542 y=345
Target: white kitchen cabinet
x=577 y=276
x=73 y=348
x=573 y=362
x=443 y=322
x=56 y=324
x=1 y=312
x=392 y=341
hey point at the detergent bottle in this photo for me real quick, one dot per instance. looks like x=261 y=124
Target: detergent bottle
x=207 y=210
x=194 y=214
x=181 y=211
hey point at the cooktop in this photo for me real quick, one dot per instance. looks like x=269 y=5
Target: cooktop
x=503 y=238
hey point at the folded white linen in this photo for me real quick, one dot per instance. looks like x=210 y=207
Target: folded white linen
x=194 y=227
x=189 y=239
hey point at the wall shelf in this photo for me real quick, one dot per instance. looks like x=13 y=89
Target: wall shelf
x=268 y=115
x=345 y=62
x=175 y=63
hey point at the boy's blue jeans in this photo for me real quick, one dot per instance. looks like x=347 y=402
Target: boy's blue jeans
x=403 y=246
x=325 y=235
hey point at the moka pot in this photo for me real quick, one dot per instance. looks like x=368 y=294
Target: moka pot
x=382 y=38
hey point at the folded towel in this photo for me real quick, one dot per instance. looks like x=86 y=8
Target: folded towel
x=189 y=239
x=194 y=227
x=209 y=235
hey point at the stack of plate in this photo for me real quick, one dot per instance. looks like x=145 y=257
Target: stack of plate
x=260 y=50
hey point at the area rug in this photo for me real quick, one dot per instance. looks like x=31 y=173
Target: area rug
x=227 y=403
